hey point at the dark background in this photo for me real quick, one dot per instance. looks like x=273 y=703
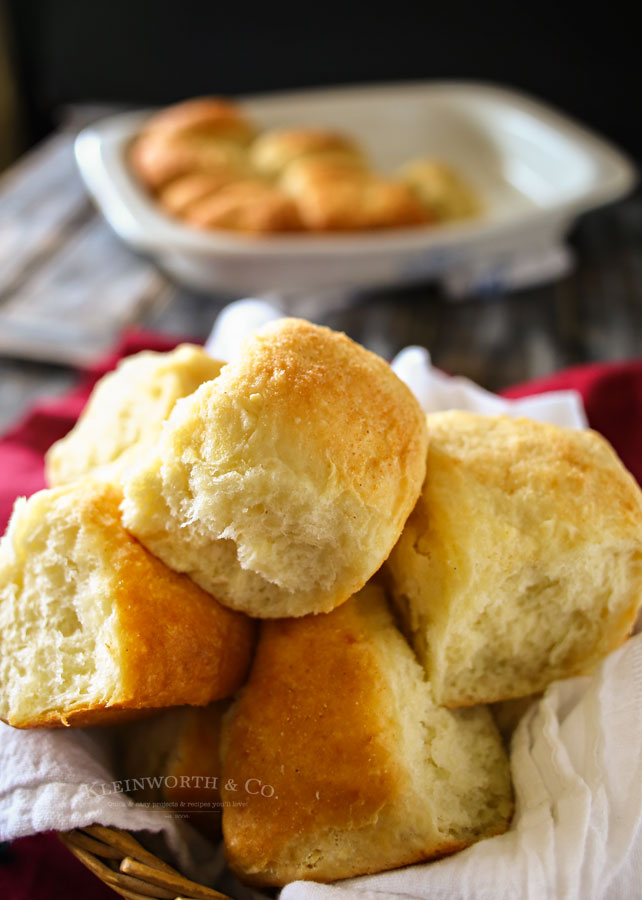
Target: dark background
x=584 y=58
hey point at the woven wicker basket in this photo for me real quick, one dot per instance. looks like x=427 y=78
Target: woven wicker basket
x=127 y=868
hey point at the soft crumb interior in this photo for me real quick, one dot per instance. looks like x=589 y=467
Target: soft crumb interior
x=522 y=562
x=539 y=625
x=303 y=458
x=263 y=538
x=56 y=619
x=124 y=416
x=459 y=784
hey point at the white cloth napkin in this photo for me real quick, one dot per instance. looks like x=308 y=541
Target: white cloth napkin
x=576 y=756
x=58 y=779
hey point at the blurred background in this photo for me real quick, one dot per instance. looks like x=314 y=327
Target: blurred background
x=66 y=62
x=53 y=53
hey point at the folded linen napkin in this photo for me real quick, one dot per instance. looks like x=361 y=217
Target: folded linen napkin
x=575 y=756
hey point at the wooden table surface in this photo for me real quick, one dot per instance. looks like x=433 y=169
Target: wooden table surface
x=56 y=253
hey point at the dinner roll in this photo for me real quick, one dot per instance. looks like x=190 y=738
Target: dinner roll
x=179 y=195
x=343 y=762
x=443 y=191
x=522 y=561
x=159 y=157
x=281 y=486
x=203 y=134
x=248 y=206
x=92 y=625
x=332 y=196
x=275 y=150
x=125 y=412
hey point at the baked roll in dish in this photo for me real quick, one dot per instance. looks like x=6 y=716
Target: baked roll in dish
x=186 y=153
x=273 y=151
x=205 y=134
x=94 y=628
x=158 y=159
x=282 y=486
x=180 y=195
x=344 y=763
x=125 y=412
x=332 y=196
x=443 y=191
x=522 y=561
x=247 y=206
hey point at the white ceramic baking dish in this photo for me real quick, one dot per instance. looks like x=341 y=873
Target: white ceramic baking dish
x=535 y=169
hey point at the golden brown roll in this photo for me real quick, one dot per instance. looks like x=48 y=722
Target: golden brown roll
x=282 y=486
x=159 y=157
x=274 y=151
x=332 y=196
x=522 y=561
x=204 y=134
x=344 y=763
x=180 y=195
x=248 y=206
x=93 y=626
x=443 y=191
x=125 y=413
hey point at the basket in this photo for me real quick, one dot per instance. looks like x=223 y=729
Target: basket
x=127 y=868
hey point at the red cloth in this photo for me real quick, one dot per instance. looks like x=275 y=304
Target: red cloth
x=38 y=866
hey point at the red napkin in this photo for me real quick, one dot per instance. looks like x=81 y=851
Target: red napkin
x=38 y=866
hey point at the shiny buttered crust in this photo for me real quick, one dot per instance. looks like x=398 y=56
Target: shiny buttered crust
x=282 y=486
x=344 y=763
x=332 y=196
x=248 y=206
x=92 y=625
x=125 y=413
x=522 y=561
x=274 y=151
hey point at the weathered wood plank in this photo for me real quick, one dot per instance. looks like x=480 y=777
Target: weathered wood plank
x=42 y=199
x=23 y=383
x=74 y=306
x=594 y=313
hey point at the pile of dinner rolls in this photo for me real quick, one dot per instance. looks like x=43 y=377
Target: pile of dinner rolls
x=318 y=588
x=206 y=164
